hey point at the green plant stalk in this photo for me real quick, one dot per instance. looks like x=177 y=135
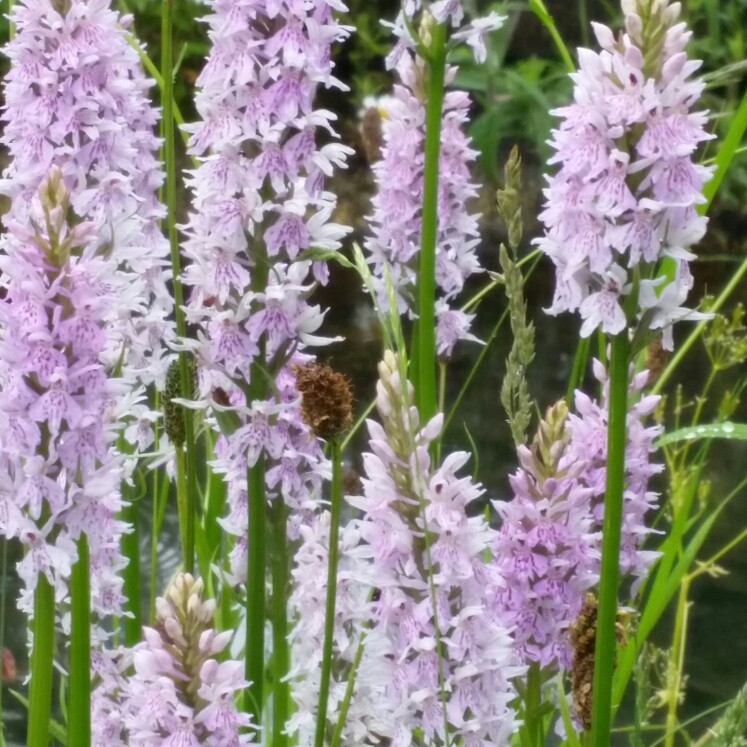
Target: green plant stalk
x=281 y=700
x=342 y=713
x=132 y=623
x=182 y=503
x=676 y=662
x=160 y=497
x=538 y=8
x=484 y=349
x=725 y=154
x=254 y=663
x=79 y=704
x=580 y=359
x=565 y=712
x=604 y=656
x=425 y=325
x=42 y=659
x=169 y=157
x=329 y=612
x=154 y=72
x=532 y=707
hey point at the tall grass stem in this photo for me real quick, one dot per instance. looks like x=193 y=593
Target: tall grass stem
x=425 y=326
x=604 y=656
x=42 y=665
x=185 y=376
x=255 y=592
x=329 y=613
x=280 y=562
x=79 y=704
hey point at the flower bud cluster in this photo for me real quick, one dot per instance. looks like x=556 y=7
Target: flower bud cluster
x=177 y=692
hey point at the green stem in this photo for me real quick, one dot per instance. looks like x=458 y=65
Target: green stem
x=254 y=664
x=580 y=359
x=281 y=701
x=532 y=706
x=539 y=9
x=42 y=657
x=345 y=704
x=131 y=623
x=182 y=506
x=169 y=157
x=676 y=662
x=329 y=614
x=484 y=350
x=160 y=498
x=79 y=704
x=425 y=326
x=604 y=657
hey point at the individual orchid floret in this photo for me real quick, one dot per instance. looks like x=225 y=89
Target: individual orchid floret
x=59 y=471
x=621 y=212
x=417 y=554
x=176 y=687
x=548 y=548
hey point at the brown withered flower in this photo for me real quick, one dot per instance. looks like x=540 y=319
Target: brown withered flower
x=326 y=399
x=582 y=634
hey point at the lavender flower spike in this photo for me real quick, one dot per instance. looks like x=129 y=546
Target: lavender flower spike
x=625 y=196
x=59 y=472
x=260 y=207
x=548 y=549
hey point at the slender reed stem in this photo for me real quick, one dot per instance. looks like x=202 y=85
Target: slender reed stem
x=425 y=326
x=676 y=662
x=532 y=706
x=281 y=702
x=254 y=664
x=42 y=656
x=160 y=497
x=169 y=157
x=131 y=623
x=604 y=656
x=182 y=505
x=79 y=703
x=329 y=613
x=342 y=713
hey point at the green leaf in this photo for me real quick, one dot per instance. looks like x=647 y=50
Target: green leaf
x=56 y=729
x=736 y=431
x=316 y=254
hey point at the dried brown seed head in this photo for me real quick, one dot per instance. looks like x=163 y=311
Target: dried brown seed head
x=326 y=399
